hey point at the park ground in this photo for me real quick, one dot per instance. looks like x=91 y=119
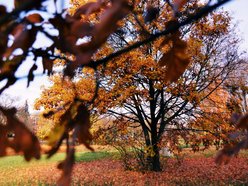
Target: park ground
x=104 y=167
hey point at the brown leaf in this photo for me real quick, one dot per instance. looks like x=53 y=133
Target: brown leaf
x=8 y=70
x=18 y=30
x=34 y=18
x=80 y=29
x=3 y=43
x=23 y=140
x=176 y=59
x=89 y=8
x=243 y=122
x=47 y=65
x=100 y=32
x=82 y=59
x=36 y=3
x=66 y=41
x=3 y=10
x=82 y=126
x=76 y=119
x=23 y=39
x=106 y=26
x=108 y=21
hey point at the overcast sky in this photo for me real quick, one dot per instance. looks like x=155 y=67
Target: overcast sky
x=237 y=8
x=239 y=11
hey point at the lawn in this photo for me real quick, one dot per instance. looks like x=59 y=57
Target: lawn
x=103 y=168
x=15 y=171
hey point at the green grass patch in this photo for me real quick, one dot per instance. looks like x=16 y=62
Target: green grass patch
x=91 y=156
x=12 y=162
x=12 y=167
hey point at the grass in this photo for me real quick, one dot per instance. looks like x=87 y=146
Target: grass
x=91 y=156
x=15 y=171
x=13 y=162
x=12 y=166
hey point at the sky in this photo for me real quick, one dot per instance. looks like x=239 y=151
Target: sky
x=239 y=12
x=237 y=9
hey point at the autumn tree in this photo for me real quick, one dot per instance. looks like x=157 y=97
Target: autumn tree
x=21 y=27
x=135 y=86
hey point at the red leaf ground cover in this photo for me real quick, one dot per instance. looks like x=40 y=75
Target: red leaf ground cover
x=192 y=171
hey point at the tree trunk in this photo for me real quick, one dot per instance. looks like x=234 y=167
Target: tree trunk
x=156 y=159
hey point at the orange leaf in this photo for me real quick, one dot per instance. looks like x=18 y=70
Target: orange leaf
x=176 y=59
x=89 y=8
x=34 y=18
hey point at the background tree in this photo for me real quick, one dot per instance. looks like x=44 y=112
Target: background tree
x=237 y=86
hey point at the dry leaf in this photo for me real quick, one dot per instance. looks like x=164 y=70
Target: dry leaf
x=80 y=29
x=100 y=32
x=89 y=8
x=23 y=39
x=82 y=126
x=176 y=59
x=243 y=122
x=47 y=65
x=34 y=18
x=19 y=3
x=16 y=32
x=23 y=140
x=3 y=10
